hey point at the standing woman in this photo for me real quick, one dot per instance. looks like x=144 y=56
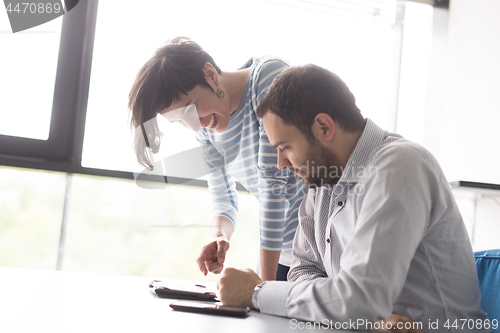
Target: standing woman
x=182 y=82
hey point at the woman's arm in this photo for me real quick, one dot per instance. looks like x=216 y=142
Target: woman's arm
x=268 y=264
x=213 y=255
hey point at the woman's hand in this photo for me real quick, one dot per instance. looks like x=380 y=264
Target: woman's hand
x=213 y=255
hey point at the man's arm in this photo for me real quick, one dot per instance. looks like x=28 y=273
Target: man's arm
x=236 y=288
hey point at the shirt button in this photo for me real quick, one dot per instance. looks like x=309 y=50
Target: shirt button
x=340 y=203
x=328 y=240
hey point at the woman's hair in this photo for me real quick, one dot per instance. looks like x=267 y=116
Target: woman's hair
x=174 y=69
x=298 y=94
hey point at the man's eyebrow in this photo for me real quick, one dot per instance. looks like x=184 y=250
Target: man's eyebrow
x=278 y=143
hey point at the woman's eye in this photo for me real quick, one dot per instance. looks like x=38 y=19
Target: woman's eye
x=189 y=108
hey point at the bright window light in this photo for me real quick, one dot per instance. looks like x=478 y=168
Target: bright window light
x=28 y=72
x=358 y=49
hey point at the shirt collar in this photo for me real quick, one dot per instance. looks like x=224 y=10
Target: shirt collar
x=356 y=167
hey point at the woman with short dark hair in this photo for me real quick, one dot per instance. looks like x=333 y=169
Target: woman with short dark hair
x=183 y=83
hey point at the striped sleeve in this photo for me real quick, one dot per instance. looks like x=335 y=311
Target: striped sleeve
x=271 y=181
x=221 y=185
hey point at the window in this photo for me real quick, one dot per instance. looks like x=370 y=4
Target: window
x=31 y=202
x=28 y=77
x=355 y=42
x=113 y=226
x=135 y=231
x=416 y=57
x=31 y=73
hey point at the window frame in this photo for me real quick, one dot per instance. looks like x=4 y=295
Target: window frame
x=73 y=66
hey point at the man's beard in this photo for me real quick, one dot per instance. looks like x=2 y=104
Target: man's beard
x=322 y=167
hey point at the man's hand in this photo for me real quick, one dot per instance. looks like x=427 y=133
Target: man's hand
x=399 y=324
x=213 y=255
x=236 y=286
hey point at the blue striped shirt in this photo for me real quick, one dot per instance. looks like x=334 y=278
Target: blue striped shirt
x=243 y=152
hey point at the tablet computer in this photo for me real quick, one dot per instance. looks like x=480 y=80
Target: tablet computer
x=195 y=292
x=210 y=308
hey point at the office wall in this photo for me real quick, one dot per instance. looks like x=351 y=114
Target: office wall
x=469 y=138
x=470 y=126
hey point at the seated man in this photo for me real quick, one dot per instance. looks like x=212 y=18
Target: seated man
x=379 y=231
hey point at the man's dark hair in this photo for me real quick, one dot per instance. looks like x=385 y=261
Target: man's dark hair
x=174 y=69
x=298 y=94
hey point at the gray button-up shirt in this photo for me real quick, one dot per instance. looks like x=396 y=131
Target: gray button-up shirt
x=388 y=237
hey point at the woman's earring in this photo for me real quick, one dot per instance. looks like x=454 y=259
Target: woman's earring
x=219 y=93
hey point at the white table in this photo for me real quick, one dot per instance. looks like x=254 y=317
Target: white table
x=53 y=301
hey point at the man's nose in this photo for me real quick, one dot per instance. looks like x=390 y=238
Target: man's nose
x=283 y=161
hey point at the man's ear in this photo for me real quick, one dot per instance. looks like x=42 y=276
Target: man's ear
x=211 y=73
x=324 y=127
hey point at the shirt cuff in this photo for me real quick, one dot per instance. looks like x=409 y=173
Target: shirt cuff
x=273 y=297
